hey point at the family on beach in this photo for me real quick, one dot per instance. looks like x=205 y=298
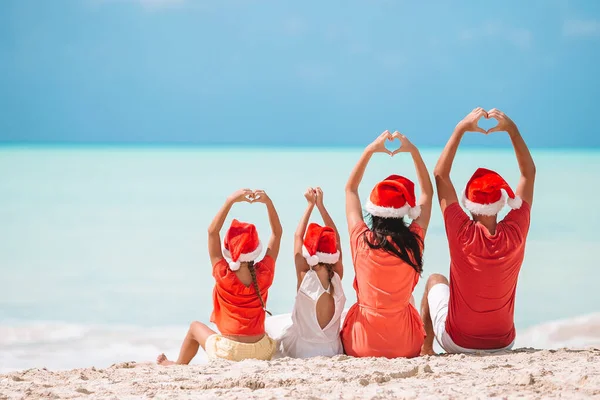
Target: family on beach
x=472 y=311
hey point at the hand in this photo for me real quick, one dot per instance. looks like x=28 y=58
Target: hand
x=469 y=123
x=319 y=193
x=406 y=145
x=378 y=145
x=241 y=195
x=260 y=196
x=311 y=196
x=504 y=123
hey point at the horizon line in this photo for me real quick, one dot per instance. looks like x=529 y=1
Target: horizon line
x=191 y=146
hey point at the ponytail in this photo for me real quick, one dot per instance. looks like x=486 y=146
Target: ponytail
x=256 y=288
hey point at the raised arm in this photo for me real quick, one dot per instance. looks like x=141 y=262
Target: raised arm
x=354 y=213
x=445 y=188
x=426 y=197
x=526 y=164
x=328 y=221
x=276 y=230
x=214 y=229
x=301 y=264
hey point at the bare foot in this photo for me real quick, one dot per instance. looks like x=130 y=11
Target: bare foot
x=427 y=351
x=162 y=360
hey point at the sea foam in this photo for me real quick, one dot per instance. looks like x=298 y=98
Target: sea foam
x=60 y=346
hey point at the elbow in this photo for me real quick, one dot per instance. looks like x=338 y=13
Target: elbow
x=439 y=174
x=533 y=170
x=212 y=230
x=530 y=172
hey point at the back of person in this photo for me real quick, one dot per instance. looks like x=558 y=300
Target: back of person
x=383 y=323
x=237 y=310
x=312 y=334
x=483 y=277
x=394 y=279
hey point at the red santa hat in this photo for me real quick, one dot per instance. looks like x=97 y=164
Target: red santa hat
x=320 y=245
x=241 y=244
x=487 y=192
x=394 y=197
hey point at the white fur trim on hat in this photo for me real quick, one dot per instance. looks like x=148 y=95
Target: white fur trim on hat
x=414 y=212
x=515 y=203
x=484 y=209
x=310 y=260
x=328 y=258
x=325 y=258
x=244 y=257
x=390 y=212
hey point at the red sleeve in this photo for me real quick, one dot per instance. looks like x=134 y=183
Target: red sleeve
x=356 y=237
x=416 y=229
x=356 y=233
x=456 y=221
x=265 y=271
x=520 y=218
x=221 y=269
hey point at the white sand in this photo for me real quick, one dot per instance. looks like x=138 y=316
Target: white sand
x=524 y=373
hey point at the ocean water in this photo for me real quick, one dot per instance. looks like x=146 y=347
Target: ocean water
x=103 y=254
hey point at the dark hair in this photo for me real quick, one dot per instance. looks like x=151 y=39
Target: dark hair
x=256 y=288
x=394 y=236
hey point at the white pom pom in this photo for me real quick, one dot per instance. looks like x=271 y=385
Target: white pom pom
x=414 y=212
x=234 y=265
x=515 y=203
x=310 y=260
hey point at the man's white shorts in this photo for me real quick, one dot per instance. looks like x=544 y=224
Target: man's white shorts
x=438 y=299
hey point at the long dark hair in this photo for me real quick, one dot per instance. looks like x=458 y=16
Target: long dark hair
x=394 y=236
x=256 y=288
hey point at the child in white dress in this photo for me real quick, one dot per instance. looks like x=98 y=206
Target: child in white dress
x=315 y=329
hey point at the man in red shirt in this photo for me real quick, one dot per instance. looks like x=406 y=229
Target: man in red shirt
x=474 y=311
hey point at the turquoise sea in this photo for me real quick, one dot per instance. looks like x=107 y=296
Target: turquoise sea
x=103 y=249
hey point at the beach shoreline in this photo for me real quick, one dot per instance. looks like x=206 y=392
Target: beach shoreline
x=525 y=372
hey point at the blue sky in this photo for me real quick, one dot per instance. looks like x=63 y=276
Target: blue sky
x=295 y=73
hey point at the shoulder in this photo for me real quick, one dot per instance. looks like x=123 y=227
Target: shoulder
x=358 y=229
x=416 y=229
x=455 y=217
x=519 y=218
x=266 y=263
x=454 y=210
x=221 y=268
x=522 y=211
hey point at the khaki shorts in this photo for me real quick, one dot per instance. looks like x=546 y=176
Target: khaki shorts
x=217 y=346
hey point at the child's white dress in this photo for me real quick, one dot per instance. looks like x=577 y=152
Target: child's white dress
x=305 y=338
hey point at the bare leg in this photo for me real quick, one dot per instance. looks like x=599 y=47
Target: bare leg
x=196 y=337
x=433 y=280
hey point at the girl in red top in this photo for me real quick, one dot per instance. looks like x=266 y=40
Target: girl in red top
x=387 y=257
x=241 y=288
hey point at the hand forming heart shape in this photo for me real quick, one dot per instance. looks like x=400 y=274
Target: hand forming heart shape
x=252 y=197
x=487 y=127
x=391 y=139
x=405 y=145
x=471 y=121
